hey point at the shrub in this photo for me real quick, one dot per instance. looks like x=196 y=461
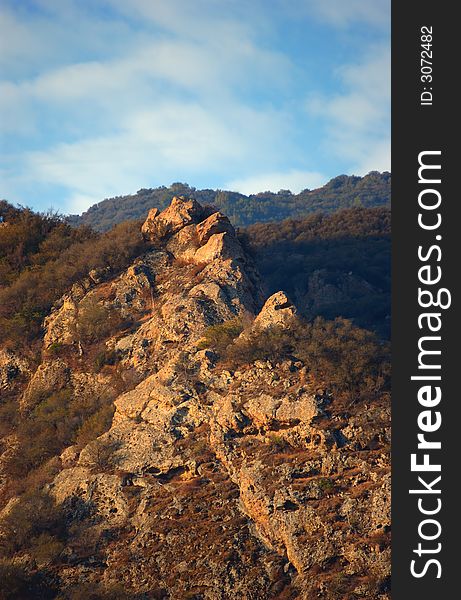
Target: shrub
x=105 y=357
x=41 y=257
x=325 y=485
x=46 y=548
x=42 y=434
x=8 y=416
x=219 y=337
x=349 y=359
x=96 y=321
x=17 y=583
x=59 y=420
x=270 y=343
x=95 y=425
x=32 y=516
x=278 y=442
x=55 y=348
x=101 y=455
x=185 y=366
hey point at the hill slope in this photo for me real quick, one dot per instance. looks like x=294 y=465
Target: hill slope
x=177 y=434
x=331 y=265
x=341 y=192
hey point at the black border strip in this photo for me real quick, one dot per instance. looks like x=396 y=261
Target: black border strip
x=417 y=128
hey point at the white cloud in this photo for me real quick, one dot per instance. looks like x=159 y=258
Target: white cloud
x=342 y=13
x=58 y=36
x=357 y=121
x=119 y=95
x=293 y=180
x=166 y=107
x=215 y=68
x=167 y=143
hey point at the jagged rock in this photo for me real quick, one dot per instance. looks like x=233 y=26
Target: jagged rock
x=185 y=243
x=180 y=213
x=266 y=411
x=215 y=223
x=61 y=325
x=278 y=310
x=219 y=483
x=69 y=456
x=148 y=223
x=219 y=246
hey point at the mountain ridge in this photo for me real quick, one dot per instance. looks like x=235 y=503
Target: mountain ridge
x=343 y=191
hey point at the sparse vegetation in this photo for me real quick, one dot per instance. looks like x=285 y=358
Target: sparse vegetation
x=272 y=421
x=41 y=256
x=59 y=420
x=349 y=360
x=219 y=337
x=101 y=456
x=96 y=321
x=33 y=522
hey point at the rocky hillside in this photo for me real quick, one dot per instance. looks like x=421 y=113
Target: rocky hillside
x=341 y=192
x=182 y=436
x=331 y=265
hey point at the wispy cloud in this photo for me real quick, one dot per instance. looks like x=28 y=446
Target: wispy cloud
x=357 y=118
x=343 y=14
x=169 y=142
x=99 y=98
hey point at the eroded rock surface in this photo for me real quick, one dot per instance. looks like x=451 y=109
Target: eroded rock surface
x=212 y=483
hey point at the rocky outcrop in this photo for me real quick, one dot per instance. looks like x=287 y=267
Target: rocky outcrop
x=278 y=310
x=181 y=212
x=211 y=482
x=215 y=223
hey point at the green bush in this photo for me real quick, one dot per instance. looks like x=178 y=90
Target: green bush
x=218 y=337
x=269 y=343
x=326 y=485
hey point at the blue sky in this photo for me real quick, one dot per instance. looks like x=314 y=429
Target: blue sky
x=103 y=97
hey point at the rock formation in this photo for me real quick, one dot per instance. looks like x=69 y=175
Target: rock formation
x=211 y=483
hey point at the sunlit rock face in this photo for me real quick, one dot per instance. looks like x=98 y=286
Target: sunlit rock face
x=212 y=482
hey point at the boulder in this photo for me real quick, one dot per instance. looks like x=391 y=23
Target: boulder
x=222 y=246
x=215 y=223
x=181 y=212
x=278 y=310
